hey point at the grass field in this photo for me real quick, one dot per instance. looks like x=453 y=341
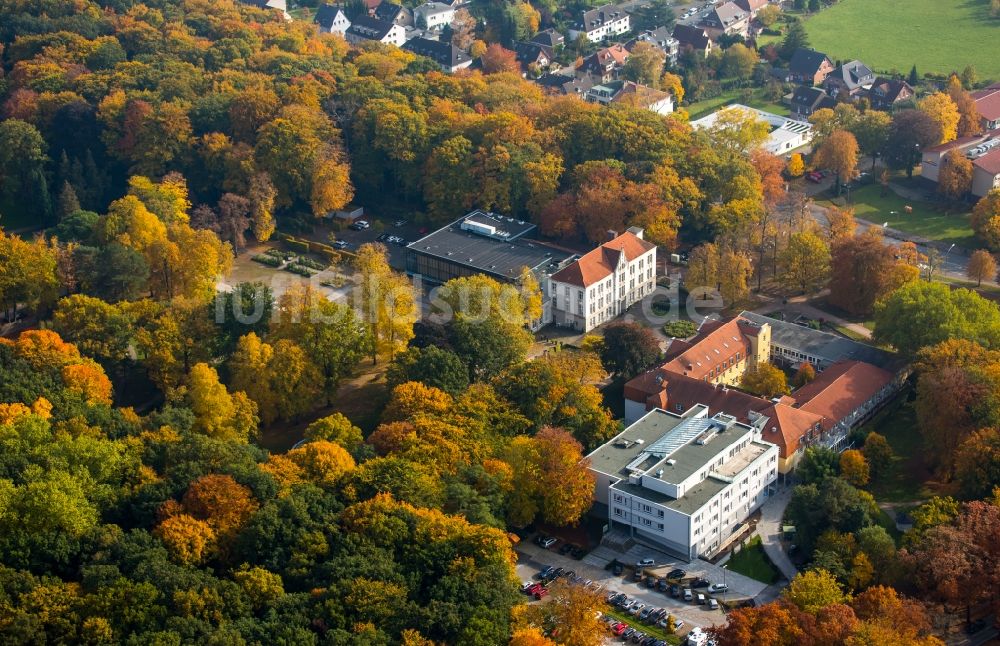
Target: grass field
x=935 y=35
x=700 y=109
x=751 y=561
x=924 y=221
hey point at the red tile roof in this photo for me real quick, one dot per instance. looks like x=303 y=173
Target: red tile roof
x=712 y=348
x=840 y=389
x=990 y=162
x=786 y=426
x=988 y=102
x=658 y=388
x=599 y=263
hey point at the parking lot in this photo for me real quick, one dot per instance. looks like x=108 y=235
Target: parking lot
x=532 y=558
x=407 y=232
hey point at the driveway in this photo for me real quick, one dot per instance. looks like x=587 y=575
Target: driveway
x=769 y=528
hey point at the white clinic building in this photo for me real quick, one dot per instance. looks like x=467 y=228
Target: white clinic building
x=684 y=482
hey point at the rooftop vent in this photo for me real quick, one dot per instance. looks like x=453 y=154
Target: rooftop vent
x=659 y=473
x=671 y=462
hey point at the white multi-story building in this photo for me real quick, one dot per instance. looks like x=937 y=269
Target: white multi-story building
x=684 y=482
x=604 y=282
x=600 y=23
x=433 y=15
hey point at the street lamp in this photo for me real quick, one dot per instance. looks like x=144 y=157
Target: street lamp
x=724 y=587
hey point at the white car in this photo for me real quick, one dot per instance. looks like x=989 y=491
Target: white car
x=717 y=587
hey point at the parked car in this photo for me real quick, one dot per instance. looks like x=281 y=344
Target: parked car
x=688 y=595
x=571 y=574
x=650 y=581
x=699 y=583
x=644 y=563
x=637 y=575
x=340 y=244
x=644 y=615
x=814 y=177
x=713 y=604
x=541 y=592
x=636 y=609
x=360 y=225
x=662 y=585
x=545 y=571
x=717 y=587
x=526 y=585
x=578 y=553
x=547 y=542
x=675 y=591
x=701 y=599
x=637 y=637
x=619 y=628
x=627 y=603
x=617 y=569
x=535 y=588
x=565 y=549
x=676 y=574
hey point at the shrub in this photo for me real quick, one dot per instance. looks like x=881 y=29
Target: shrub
x=270 y=261
x=680 y=329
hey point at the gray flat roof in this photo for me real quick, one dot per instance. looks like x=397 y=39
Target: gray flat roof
x=823 y=345
x=489 y=254
x=693 y=500
x=692 y=457
x=612 y=458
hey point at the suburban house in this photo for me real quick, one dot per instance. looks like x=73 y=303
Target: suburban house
x=604 y=282
x=632 y=94
x=786 y=134
x=850 y=79
x=853 y=381
x=809 y=66
x=661 y=39
x=986 y=171
x=449 y=57
x=692 y=38
x=988 y=103
x=885 y=93
x=487 y=243
x=394 y=13
x=807 y=99
x=533 y=55
x=565 y=84
x=601 y=22
x=549 y=38
x=331 y=20
x=752 y=7
x=606 y=63
x=433 y=16
x=981 y=149
x=367 y=28
x=279 y=5
x=684 y=482
x=727 y=18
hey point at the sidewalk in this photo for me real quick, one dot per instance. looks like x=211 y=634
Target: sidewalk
x=800 y=305
x=769 y=529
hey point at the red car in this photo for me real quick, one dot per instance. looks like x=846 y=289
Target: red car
x=618 y=629
x=541 y=592
x=535 y=588
x=814 y=177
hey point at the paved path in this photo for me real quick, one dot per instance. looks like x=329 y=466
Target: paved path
x=800 y=305
x=769 y=528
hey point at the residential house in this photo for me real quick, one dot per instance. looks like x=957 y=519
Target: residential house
x=600 y=23
x=631 y=94
x=433 y=16
x=549 y=38
x=661 y=39
x=685 y=483
x=606 y=63
x=807 y=99
x=489 y=244
x=727 y=19
x=849 y=80
x=973 y=147
x=566 y=84
x=692 y=38
x=279 y=5
x=394 y=13
x=885 y=93
x=449 y=57
x=988 y=103
x=786 y=134
x=534 y=56
x=986 y=171
x=604 y=282
x=331 y=19
x=367 y=28
x=809 y=66
x=752 y=7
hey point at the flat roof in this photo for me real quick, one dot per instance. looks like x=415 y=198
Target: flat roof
x=692 y=457
x=501 y=253
x=612 y=457
x=694 y=499
x=823 y=345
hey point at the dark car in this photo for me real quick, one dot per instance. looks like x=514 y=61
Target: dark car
x=650 y=581
x=578 y=553
x=617 y=569
x=675 y=591
x=545 y=571
x=814 y=177
x=569 y=575
x=637 y=576
x=700 y=583
x=676 y=574
x=566 y=548
x=662 y=585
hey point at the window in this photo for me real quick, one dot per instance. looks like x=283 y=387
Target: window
x=618 y=497
x=619 y=512
x=659 y=513
x=647 y=509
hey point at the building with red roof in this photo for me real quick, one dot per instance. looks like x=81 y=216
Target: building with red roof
x=604 y=282
x=988 y=104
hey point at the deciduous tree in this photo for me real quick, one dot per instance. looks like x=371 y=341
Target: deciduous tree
x=629 y=348
x=985 y=219
x=386 y=302
x=944 y=112
x=765 y=379
x=805 y=262
x=497 y=58
x=217 y=412
x=839 y=152
x=878 y=453
x=813 y=590
x=854 y=467
x=955 y=175
x=982 y=265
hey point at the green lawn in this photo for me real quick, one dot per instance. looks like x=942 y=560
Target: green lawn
x=655 y=631
x=908 y=476
x=939 y=36
x=700 y=109
x=925 y=220
x=751 y=561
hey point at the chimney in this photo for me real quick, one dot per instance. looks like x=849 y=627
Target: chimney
x=612 y=235
x=636 y=231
